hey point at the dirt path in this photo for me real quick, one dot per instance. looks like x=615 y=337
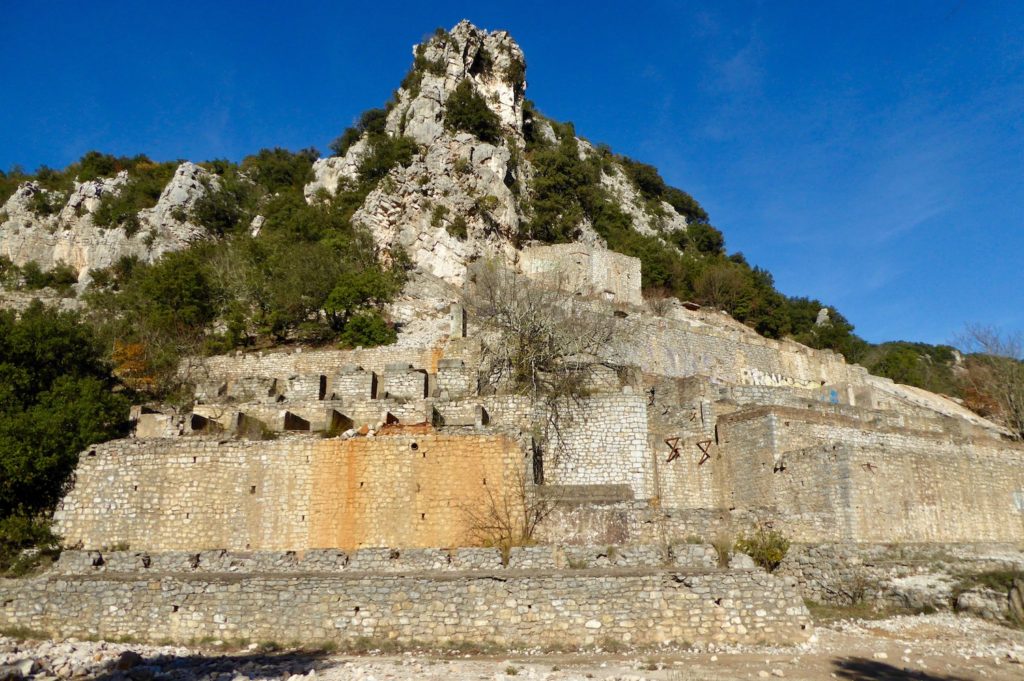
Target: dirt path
x=937 y=647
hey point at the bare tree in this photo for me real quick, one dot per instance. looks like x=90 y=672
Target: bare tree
x=539 y=340
x=508 y=516
x=994 y=375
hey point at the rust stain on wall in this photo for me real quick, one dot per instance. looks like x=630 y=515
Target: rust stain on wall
x=404 y=490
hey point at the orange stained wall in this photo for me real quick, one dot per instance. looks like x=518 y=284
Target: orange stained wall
x=406 y=490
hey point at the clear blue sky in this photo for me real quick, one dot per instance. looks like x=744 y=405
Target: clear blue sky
x=870 y=154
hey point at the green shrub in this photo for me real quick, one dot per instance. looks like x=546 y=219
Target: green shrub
x=33 y=276
x=372 y=121
x=57 y=398
x=62 y=277
x=458 y=228
x=229 y=207
x=766 y=546
x=278 y=169
x=9 y=182
x=437 y=215
x=386 y=152
x=515 y=73
x=25 y=542
x=146 y=181
x=367 y=329
x=467 y=111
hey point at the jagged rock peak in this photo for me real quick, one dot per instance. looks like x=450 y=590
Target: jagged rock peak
x=492 y=62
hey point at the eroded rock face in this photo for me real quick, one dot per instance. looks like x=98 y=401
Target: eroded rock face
x=71 y=237
x=458 y=183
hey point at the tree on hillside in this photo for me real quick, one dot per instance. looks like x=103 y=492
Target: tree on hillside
x=56 y=398
x=995 y=375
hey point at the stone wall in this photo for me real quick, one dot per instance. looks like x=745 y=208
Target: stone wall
x=603 y=441
x=585 y=269
x=289 y=493
x=832 y=478
x=298 y=362
x=567 y=608
x=404 y=560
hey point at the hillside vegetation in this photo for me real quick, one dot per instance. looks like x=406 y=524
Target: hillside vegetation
x=280 y=267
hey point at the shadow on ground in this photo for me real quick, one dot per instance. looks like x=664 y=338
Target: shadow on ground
x=861 y=669
x=255 y=665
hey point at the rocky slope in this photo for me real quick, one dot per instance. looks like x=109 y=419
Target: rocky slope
x=70 y=235
x=453 y=177
x=457 y=175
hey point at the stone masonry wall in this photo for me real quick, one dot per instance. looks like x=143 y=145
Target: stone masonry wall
x=537 y=607
x=585 y=269
x=290 y=493
x=605 y=442
x=328 y=362
x=836 y=479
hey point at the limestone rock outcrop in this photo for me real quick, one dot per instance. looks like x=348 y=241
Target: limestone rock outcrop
x=70 y=235
x=458 y=183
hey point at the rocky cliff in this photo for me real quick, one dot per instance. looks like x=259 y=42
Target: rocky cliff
x=460 y=197
x=69 y=235
x=458 y=177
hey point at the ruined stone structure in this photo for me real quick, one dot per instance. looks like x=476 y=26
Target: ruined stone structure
x=329 y=495
x=457 y=596
x=362 y=463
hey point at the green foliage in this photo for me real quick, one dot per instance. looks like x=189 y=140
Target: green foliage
x=836 y=334
x=766 y=546
x=458 y=228
x=95 y=165
x=652 y=187
x=56 y=397
x=279 y=169
x=386 y=152
x=227 y=208
x=9 y=182
x=917 y=364
x=367 y=329
x=515 y=73
x=25 y=542
x=437 y=215
x=372 y=121
x=467 y=111
x=146 y=181
x=560 y=177
x=60 y=277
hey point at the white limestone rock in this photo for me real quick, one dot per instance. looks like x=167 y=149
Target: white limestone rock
x=71 y=237
x=458 y=177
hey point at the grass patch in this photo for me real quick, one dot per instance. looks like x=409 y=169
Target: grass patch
x=24 y=633
x=826 y=613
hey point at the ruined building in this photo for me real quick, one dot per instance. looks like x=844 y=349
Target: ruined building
x=335 y=494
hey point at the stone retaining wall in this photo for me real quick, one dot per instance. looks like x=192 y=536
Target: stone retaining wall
x=386 y=559
x=564 y=608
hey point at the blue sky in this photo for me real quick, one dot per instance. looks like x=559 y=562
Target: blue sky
x=870 y=154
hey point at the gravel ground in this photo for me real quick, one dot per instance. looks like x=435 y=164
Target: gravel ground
x=939 y=647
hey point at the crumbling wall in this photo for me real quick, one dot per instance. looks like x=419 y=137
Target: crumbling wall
x=585 y=269
x=290 y=493
x=304 y=362
x=509 y=607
